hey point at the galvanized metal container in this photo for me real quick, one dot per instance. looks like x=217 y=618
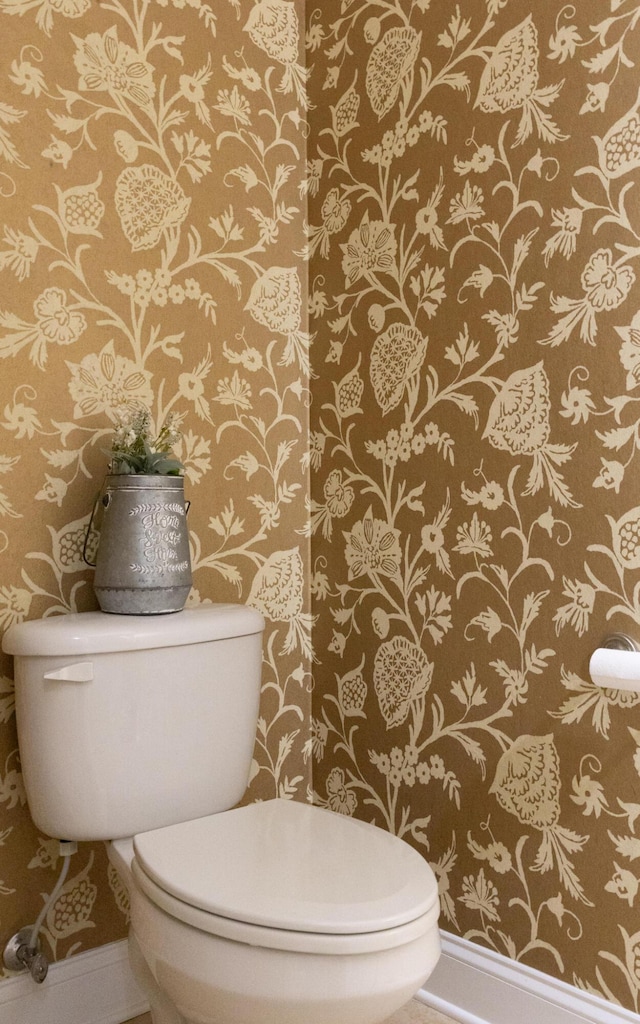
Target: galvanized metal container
x=143 y=566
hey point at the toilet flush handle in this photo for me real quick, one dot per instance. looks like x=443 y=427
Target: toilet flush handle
x=80 y=672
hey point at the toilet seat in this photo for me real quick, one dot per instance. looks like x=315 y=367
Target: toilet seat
x=285 y=875
x=279 y=938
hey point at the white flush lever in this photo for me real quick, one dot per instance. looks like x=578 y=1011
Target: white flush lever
x=80 y=672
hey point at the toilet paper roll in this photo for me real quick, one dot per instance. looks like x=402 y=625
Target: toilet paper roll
x=616 y=670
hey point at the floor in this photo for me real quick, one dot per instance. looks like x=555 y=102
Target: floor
x=413 y=1013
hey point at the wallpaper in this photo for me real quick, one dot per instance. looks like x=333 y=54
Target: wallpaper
x=474 y=296
x=152 y=199
x=381 y=259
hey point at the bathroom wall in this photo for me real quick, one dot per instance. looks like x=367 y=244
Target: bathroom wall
x=472 y=179
x=474 y=297
x=152 y=196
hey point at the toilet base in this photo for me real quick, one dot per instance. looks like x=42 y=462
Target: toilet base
x=205 y=979
x=162 y=1009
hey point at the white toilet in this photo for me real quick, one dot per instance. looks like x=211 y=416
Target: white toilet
x=139 y=730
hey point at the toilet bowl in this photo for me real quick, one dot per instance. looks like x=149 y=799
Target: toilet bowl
x=139 y=731
x=279 y=913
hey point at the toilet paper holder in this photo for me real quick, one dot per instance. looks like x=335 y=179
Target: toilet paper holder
x=616 y=664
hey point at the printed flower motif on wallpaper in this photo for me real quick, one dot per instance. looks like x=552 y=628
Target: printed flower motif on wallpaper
x=21 y=254
x=582 y=598
x=372 y=548
x=401 y=676
x=335 y=213
x=479 y=893
x=12 y=791
x=396 y=356
x=510 y=82
x=606 y=285
x=192 y=89
x=345 y=113
x=15 y=604
x=623 y=884
x=275 y=301
x=149 y=203
x=348 y=393
x=108 y=383
x=339 y=497
x=278 y=592
x=496 y=854
x=568 y=221
x=46 y=9
x=371 y=250
x=619 y=150
x=57 y=322
x=474 y=538
x=527 y=785
x=427 y=217
x=629 y=352
x=500 y=860
x=338 y=494
x=403 y=136
x=192 y=386
x=66 y=549
x=390 y=61
x=273 y=27
x=80 y=208
x=518 y=422
x=625 y=533
x=7 y=463
x=27 y=77
x=352 y=692
x=105 y=64
x=340 y=797
x=432 y=537
x=611 y=475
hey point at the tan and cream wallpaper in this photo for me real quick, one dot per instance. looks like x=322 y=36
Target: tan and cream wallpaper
x=382 y=259
x=152 y=201
x=475 y=306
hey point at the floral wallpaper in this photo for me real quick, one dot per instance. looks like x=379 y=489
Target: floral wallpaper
x=381 y=260
x=153 y=194
x=474 y=300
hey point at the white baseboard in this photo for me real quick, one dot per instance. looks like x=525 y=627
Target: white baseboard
x=474 y=985
x=471 y=984
x=96 y=987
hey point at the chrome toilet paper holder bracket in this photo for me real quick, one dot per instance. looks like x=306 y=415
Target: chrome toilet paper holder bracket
x=620 y=642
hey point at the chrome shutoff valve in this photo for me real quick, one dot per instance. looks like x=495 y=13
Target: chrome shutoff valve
x=18 y=956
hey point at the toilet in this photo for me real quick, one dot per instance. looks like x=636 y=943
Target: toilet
x=139 y=730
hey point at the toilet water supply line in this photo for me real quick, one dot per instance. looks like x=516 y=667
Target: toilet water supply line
x=66 y=849
x=21 y=952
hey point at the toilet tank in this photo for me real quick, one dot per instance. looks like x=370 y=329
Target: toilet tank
x=128 y=723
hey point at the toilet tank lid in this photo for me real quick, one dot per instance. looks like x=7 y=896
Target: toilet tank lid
x=99 y=633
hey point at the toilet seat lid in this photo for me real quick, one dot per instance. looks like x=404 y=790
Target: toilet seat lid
x=286 y=865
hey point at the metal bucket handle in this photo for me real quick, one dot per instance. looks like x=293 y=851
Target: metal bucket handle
x=90 y=523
